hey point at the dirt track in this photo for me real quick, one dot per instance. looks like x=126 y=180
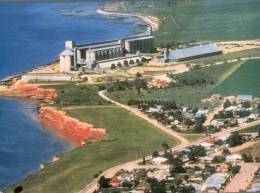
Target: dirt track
x=91 y=187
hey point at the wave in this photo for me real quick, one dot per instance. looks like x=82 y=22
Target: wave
x=76 y=12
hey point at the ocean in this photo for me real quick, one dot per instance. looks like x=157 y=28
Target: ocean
x=32 y=34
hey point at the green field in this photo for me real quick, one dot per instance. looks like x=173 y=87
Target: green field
x=189 y=95
x=194 y=137
x=244 y=81
x=128 y=138
x=254 y=129
x=203 y=20
x=74 y=95
x=253 y=150
x=225 y=57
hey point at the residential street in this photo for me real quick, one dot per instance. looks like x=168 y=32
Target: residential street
x=182 y=142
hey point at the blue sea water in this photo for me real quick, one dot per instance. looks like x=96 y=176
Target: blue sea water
x=32 y=34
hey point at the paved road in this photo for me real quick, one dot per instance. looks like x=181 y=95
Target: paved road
x=182 y=142
x=243 y=178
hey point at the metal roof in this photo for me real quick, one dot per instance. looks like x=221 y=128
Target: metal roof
x=193 y=51
x=216 y=180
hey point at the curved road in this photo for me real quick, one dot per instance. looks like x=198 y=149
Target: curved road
x=175 y=135
x=182 y=142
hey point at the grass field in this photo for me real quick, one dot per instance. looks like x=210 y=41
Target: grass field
x=253 y=150
x=73 y=94
x=194 y=137
x=204 y=20
x=254 y=129
x=128 y=138
x=225 y=57
x=182 y=95
x=244 y=81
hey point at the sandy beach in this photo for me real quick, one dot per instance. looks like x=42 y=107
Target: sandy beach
x=152 y=21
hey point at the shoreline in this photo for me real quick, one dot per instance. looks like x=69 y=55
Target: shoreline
x=151 y=21
x=55 y=121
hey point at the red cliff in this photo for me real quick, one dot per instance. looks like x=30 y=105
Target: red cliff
x=22 y=89
x=67 y=127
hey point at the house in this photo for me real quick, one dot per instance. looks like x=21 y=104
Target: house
x=216 y=123
x=223 y=137
x=253 y=116
x=154 y=110
x=159 y=174
x=255 y=187
x=207 y=159
x=136 y=191
x=242 y=120
x=223 y=168
x=201 y=113
x=233 y=158
x=231 y=108
x=206 y=145
x=215 y=181
x=115 y=182
x=159 y=160
x=242 y=98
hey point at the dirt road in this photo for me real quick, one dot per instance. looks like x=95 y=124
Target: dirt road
x=182 y=142
x=170 y=132
x=243 y=178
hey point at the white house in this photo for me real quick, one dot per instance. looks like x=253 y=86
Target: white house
x=206 y=145
x=233 y=158
x=159 y=160
x=216 y=123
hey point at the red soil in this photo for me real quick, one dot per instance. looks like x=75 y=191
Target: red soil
x=67 y=127
x=22 y=89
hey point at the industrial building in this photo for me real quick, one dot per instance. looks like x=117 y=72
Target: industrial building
x=101 y=55
x=191 y=53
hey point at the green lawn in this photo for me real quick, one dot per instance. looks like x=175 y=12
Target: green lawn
x=254 y=129
x=128 y=138
x=244 y=81
x=203 y=20
x=253 y=150
x=225 y=57
x=73 y=94
x=194 y=137
x=190 y=95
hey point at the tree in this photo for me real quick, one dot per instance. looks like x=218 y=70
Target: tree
x=227 y=103
x=138 y=75
x=18 y=189
x=195 y=152
x=126 y=63
x=156 y=186
x=127 y=184
x=119 y=65
x=113 y=66
x=165 y=146
x=246 y=104
x=132 y=62
x=247 y=158
x=143 y=60
x=144 y=161
x=104 y=182
x=234 y=169
x=226 y=152
x=234 y=140
x=155 y=154
x=219 y=159
x=199 y=126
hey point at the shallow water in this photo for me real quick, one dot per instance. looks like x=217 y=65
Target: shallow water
x=32 y=34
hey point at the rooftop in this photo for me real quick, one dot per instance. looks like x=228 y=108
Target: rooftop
x=193 y=51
